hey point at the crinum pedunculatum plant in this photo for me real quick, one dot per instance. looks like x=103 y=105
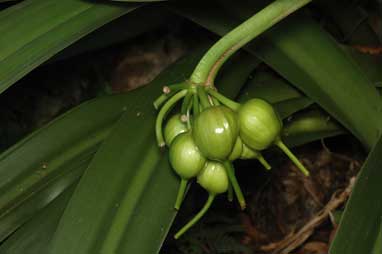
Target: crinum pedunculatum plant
x=211 y=131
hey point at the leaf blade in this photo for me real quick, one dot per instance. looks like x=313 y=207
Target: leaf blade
x=69 y=21
x=360 y=224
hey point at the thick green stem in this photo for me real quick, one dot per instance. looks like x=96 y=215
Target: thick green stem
x=181 y=191
x=235 y=185
x=197 y=217
x=211 y=62
x=162 y=113
x=224 y=100
x=291 y=156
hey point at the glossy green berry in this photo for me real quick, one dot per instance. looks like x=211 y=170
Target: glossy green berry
x=185 y=157
x=214 y=178
x=237 y=150
x=215 y=132
x=173 y=128
x=259 y=124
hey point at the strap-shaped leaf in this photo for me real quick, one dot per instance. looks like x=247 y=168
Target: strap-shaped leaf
x=34 y=30
x=39 y=167
x=34 y=237
x=360 y=226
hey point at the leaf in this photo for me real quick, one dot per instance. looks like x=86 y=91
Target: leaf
x=291 y=106
x=117 y=31
x=360 y=225
x=293 y=48
x=41 y=195
x=235 y=73
x=268 y=87
x=351 y=21
x=38 y=168
x=310 y=126
x=34 y=237
x=370 y=64
x=25 y=45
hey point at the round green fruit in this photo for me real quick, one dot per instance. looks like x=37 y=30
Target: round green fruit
x=215 y=132
x=185 y=157
x=259 y=124
x=214 y=178
x=173 y=128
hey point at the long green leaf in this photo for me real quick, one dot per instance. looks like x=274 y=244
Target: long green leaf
x=41 y=195
x=370 y=64
x=39 y=167
x=361 y=222
x=121 y=29
x=307 y=57
x=269 y=87
x=34 y=237
x=310 y=126
x=35 y=30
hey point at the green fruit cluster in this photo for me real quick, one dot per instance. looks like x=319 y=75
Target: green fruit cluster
x=209 y=133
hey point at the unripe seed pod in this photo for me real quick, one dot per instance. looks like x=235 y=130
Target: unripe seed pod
x=214 y=178
x=215 y=132
x=237 y=150
x=185 y=157
x=173 y=128
x=259 y=124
